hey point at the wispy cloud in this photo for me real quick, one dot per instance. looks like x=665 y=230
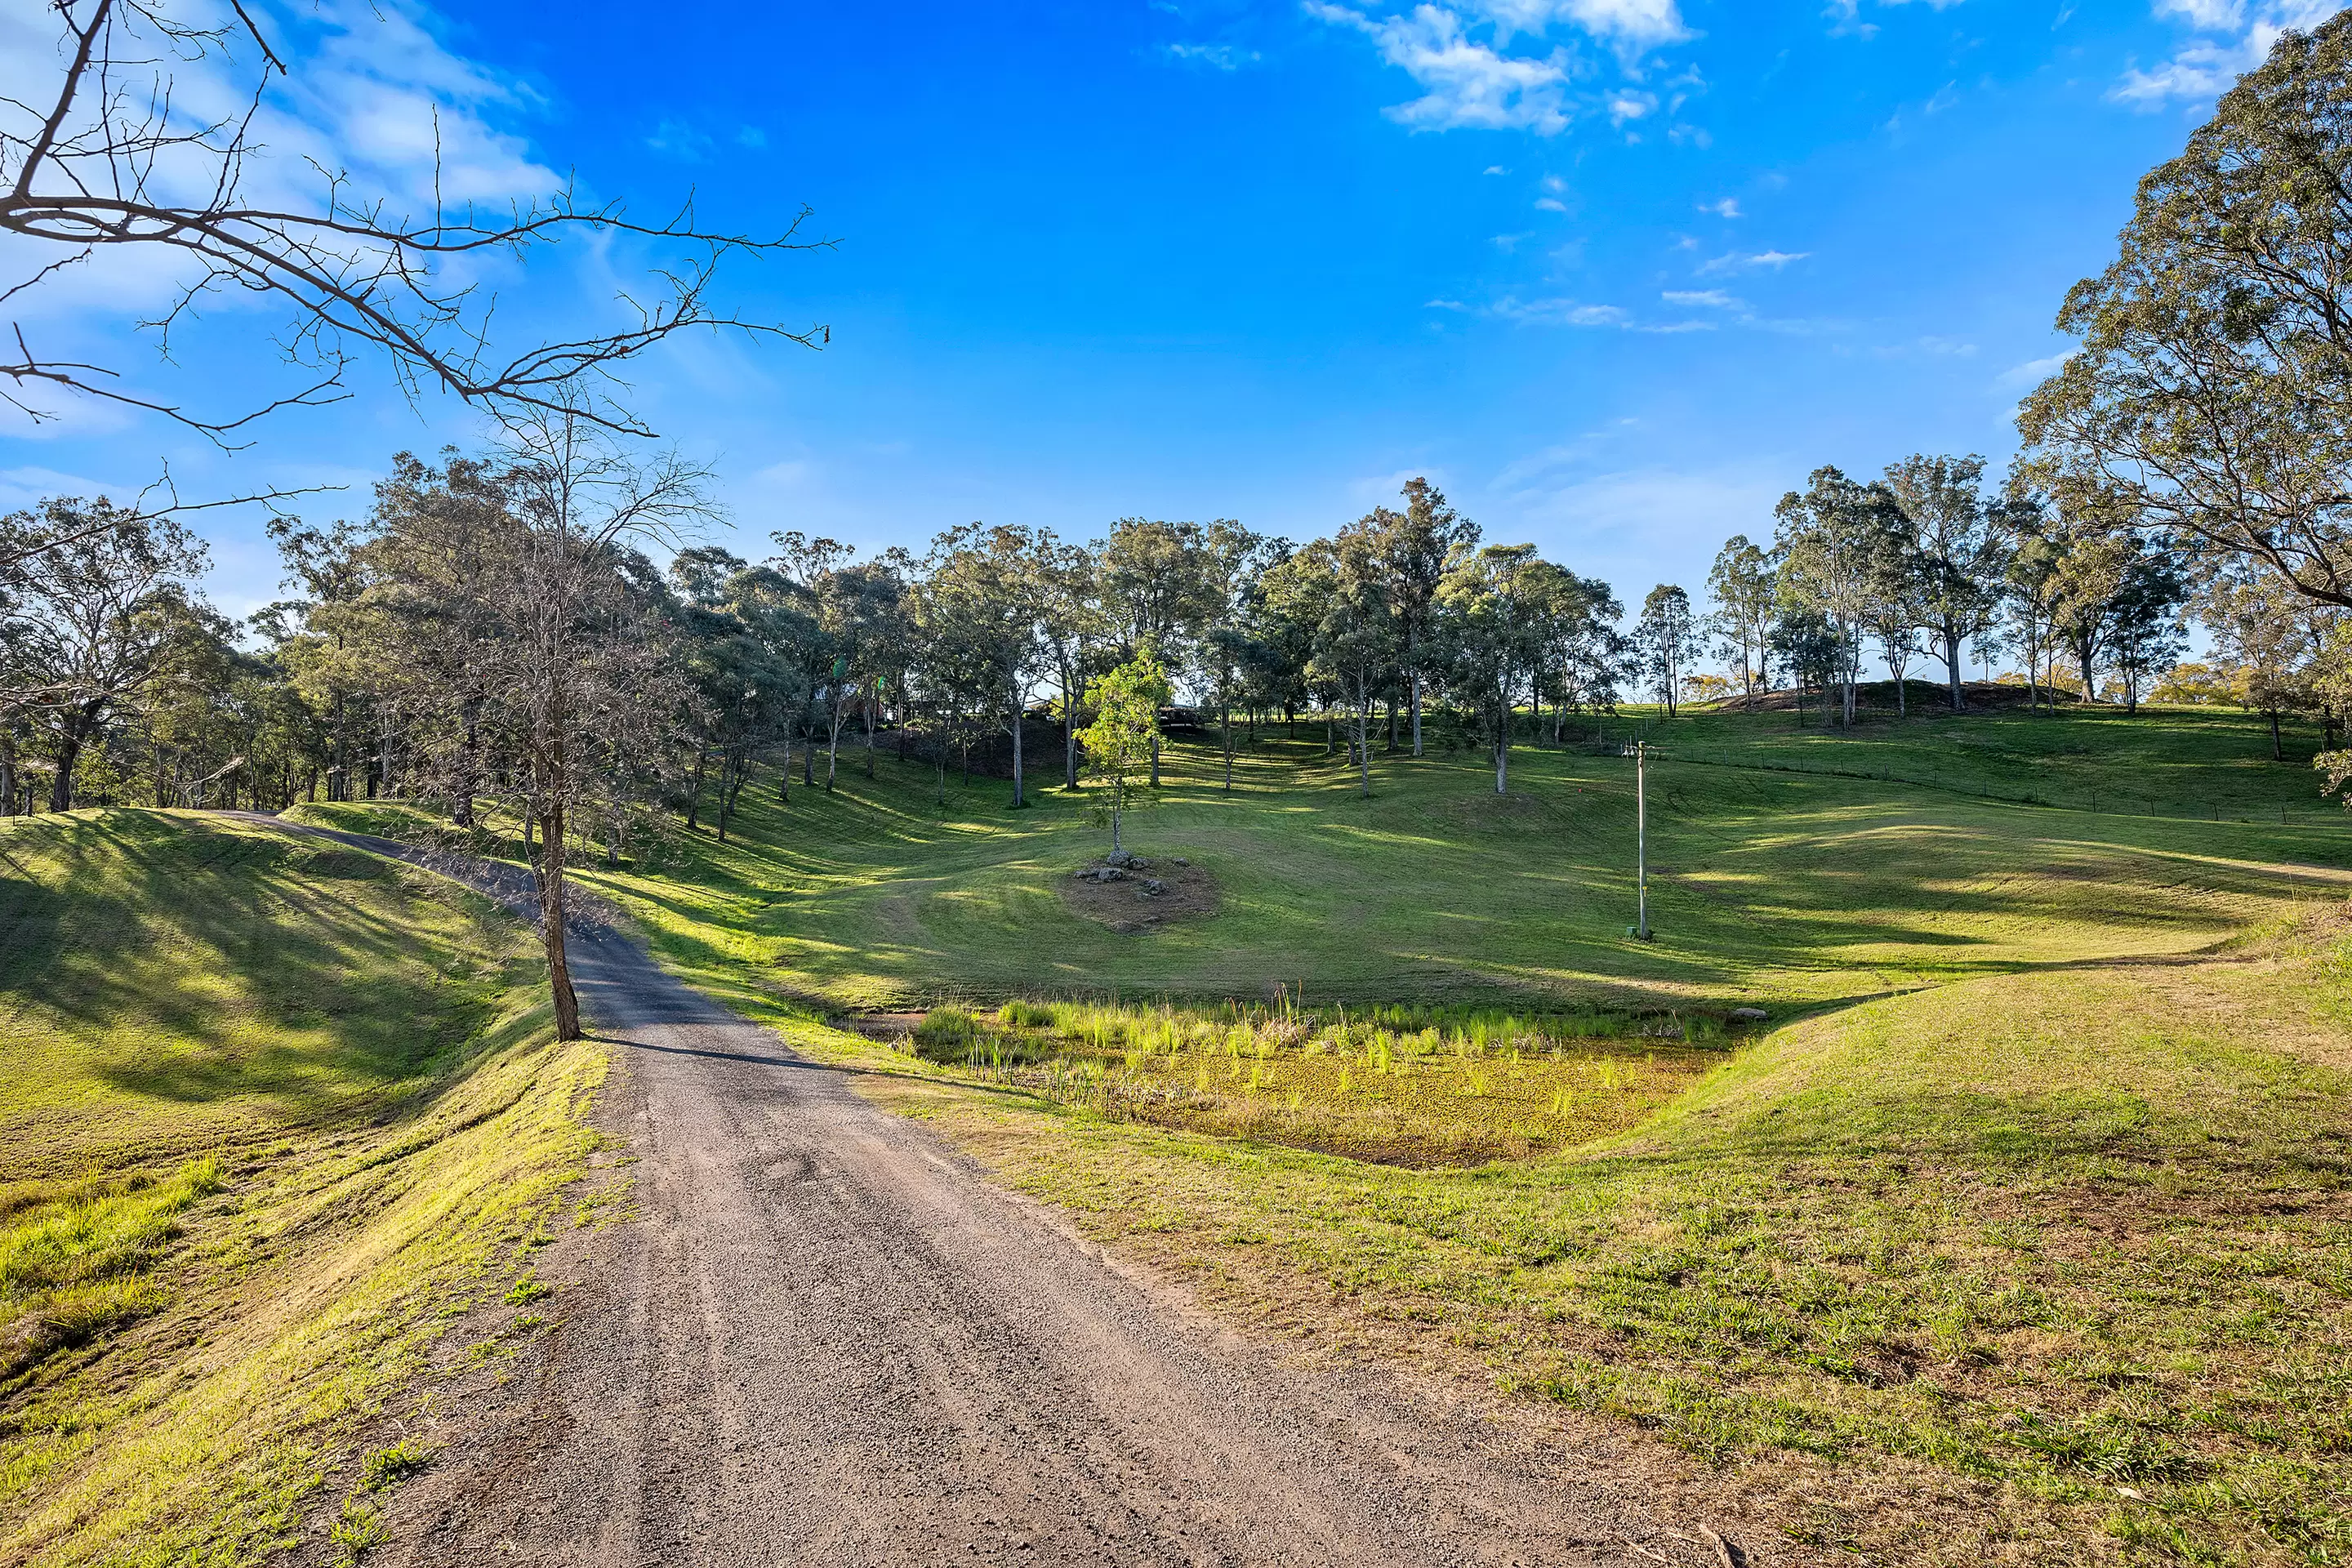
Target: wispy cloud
x=679 y=140
x=1484 y=63
x=1711 y=299
x=1216 y=57
x=1465 y=82
x=1727 y=207
x=1559 y=313
x=2235 y=38
x=1737 y=261
x=2032 y=373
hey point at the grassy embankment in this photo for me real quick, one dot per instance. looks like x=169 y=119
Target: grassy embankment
x=2024 y=1230
x=273 y=1111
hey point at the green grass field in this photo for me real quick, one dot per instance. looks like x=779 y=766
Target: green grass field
x=2019 y=1232
x=1776 y=889
x=272 y=1109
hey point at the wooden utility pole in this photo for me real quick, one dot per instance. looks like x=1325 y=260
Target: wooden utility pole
x=1641 y=836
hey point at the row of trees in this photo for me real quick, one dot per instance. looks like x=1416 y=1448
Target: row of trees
x=497 y=627
x=1924 y=565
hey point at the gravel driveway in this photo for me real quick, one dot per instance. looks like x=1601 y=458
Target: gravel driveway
x=830 y=1341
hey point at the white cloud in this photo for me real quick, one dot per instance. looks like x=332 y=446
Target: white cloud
x=1465 y=82
x=2033 y=372
x=1468 y=59
x=2238 y=38
x=1727 y=207
x=1627 y=24
x=1217 y=56
x=1560 y=313
x=1444 y=305
x=1736 y=262
x=1713 y=298
x=1550 y=204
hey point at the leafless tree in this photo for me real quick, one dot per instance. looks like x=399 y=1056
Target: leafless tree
x=114 y=157
x=582 y=683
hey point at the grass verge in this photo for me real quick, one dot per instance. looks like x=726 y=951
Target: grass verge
x=277 y=1111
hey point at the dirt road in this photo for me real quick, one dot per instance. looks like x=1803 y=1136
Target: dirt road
x=829 y=1340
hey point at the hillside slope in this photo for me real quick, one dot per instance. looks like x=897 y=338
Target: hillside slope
x=273 y=1111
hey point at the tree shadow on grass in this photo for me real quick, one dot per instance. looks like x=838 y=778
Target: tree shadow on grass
x=199 y=963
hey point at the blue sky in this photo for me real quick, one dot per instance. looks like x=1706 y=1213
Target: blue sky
x=1615 y=273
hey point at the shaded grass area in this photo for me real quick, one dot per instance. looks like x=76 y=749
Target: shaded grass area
x=274 y=1111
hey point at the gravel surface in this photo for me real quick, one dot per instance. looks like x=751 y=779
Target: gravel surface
x=829 y=1340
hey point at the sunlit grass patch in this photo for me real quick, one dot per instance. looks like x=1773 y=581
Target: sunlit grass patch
x=1402 y=1085
x=272 y=1106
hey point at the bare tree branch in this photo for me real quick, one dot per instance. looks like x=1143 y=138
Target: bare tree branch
x=105 y=165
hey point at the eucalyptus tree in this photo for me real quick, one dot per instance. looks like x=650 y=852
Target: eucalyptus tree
x=1741 y=585
x=1357 y=639
x=1960 y=555
x=1291 y=601
x=1417 y=547
x=1071 y=631
x=89 y=625
x=2270 y=640
x=1238 y=562
x=1493 y=603
x=806 y=563
x=1831 y=539
x=2213 y=390
x=2033 y=588
x=745 y=676
x=1125 y=702
x=1158 y=587
x=860 y=616
x=2146 y=630
x=1897 y=607
x=990 y=591
x=1811 y=649
x=1666 y=637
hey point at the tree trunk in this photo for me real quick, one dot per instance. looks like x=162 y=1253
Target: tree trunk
x=1416 y=697
x=1225 y=724
x=1069 y=733
x=1393 y=723
x=1952 y=665
x=1503 y=753
x=1364 y=739
x=784 y=773
x=2278 y=751
x=550 y=922
x=694 y=789
x=69 y=753
x=1018 y=799
x=1155 y=751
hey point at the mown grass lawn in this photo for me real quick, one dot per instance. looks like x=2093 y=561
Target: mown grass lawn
x=2023 y=1233
x=271 y=1107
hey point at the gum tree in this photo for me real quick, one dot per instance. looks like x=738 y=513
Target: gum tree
x=1125 y=704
